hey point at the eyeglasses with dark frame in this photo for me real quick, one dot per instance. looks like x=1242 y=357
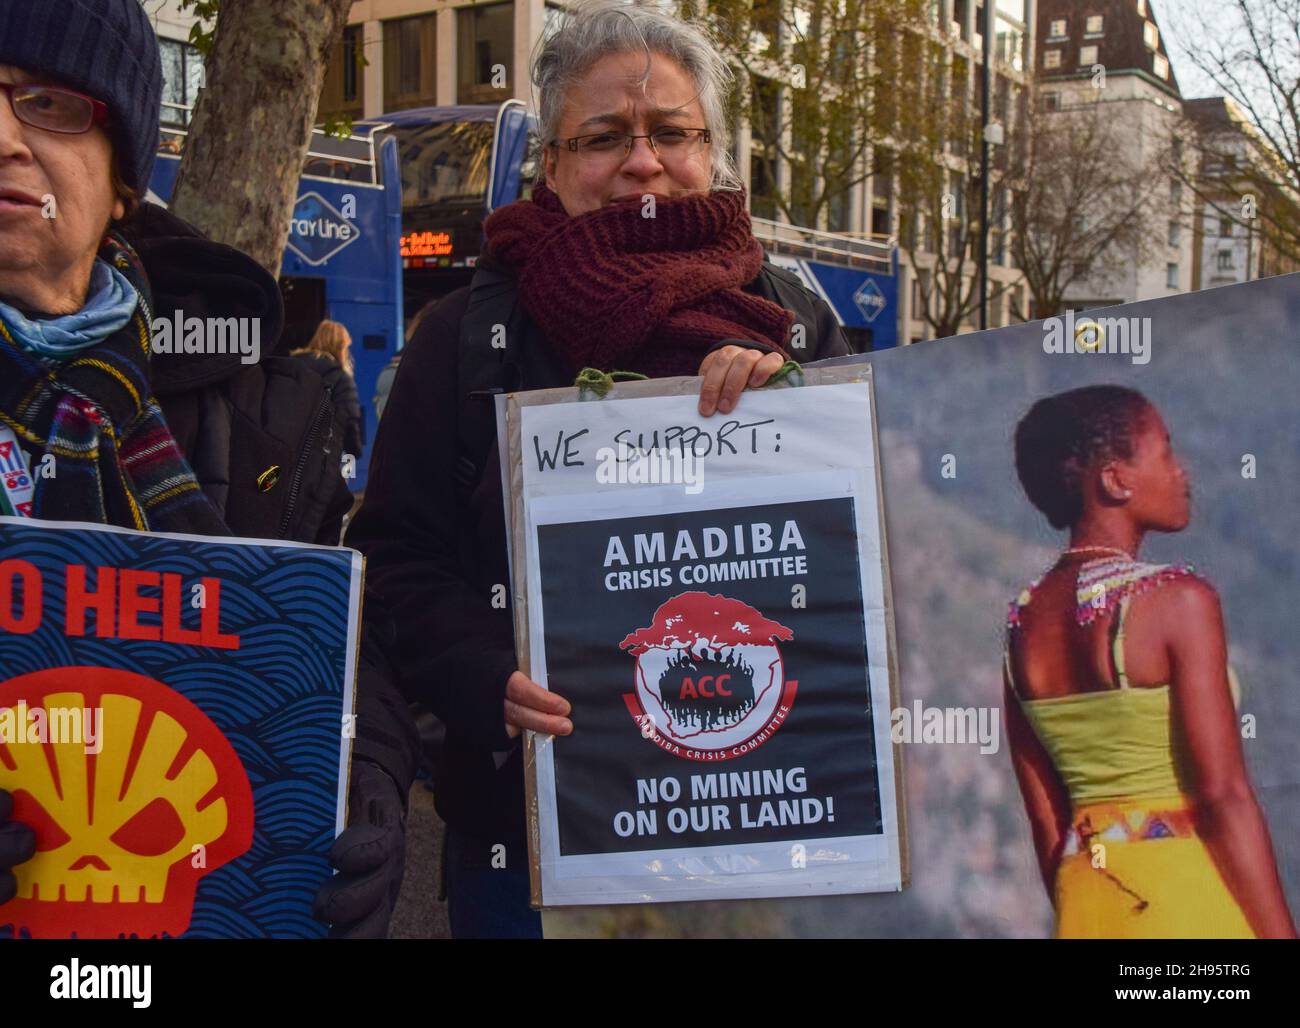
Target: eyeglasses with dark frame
x=55 y=109
x=667 y=140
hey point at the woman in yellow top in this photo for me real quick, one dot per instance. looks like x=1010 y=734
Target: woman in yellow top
x=1123 y=730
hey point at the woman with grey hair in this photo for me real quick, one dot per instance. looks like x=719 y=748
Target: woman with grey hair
x=634 y=253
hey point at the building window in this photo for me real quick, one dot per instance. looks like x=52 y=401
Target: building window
x=959 y=17
x=1009 y=44
x=341 y=93
x=1224 y=260
x=410 y=49
x=1171 y=276
x=765 y=124
x=1225 y=226
x=1174 y=234
x=1151 y=35
x=485 y=49
x=1051 y=58
x=881 y=195
x=1160 y=65
x=1051 y=101
x=1175 y=191
x=1092 y=25
x=350 y=52
x=182 y=67
x=1087 y=56
x=880 y=220
x=1059 y=30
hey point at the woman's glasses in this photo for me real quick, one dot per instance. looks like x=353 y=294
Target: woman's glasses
x=54 y=109
x=668 y=142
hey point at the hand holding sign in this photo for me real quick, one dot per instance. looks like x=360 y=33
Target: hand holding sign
x=530 y=706
x=731 y=370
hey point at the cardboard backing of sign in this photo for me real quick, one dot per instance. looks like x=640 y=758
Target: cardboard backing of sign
x=782 y=806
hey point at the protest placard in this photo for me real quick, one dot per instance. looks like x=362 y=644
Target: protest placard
x=175 y=724
x=711 y=595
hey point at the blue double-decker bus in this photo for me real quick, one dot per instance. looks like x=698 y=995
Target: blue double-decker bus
x=458 y=164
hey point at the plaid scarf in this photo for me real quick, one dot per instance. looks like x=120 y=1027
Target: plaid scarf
x=99 y=445
x=615 y=289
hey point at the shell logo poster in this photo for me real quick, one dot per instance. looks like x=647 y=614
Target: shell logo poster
x=722 y=633
x=174 y=717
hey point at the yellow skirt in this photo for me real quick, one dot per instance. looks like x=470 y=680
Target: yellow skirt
x=1138 y=870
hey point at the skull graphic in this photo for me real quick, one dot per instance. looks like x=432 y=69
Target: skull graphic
x=124 y=833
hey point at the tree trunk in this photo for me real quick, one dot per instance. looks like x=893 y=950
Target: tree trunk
x=238 y=178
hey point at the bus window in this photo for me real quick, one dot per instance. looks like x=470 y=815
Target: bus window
x=446 y=162
x=347 y=159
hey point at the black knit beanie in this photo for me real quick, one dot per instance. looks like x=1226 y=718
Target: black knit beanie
x=103 y=48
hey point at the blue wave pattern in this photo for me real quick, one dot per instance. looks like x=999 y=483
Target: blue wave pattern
x=279 y=699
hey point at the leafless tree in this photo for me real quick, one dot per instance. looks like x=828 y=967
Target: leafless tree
x=1085 y=202
x=1252 y=56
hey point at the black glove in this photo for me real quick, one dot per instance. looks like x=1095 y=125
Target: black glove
x=17 y=844
x=370 y=855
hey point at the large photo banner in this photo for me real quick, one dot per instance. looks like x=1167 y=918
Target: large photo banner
x=175 y=725
x=712 y=600
x=969 y=429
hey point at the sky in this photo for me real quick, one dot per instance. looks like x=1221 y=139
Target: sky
x=1186 y=20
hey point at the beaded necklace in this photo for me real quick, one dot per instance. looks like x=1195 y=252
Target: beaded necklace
x=1103 y=582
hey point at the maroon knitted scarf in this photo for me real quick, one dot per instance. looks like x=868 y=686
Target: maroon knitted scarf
x=615 y=290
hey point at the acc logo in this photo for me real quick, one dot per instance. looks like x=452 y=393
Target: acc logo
x=318 y=230
x=117 y=831
x=709 y=677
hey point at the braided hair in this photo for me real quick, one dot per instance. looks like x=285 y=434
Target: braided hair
x=1064 y=435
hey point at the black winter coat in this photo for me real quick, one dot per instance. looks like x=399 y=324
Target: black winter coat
x=432 y=528
x=342 y=389
x=261 y=437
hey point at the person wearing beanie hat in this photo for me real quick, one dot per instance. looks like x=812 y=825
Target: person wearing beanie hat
x=103 y=48
x=159 y=437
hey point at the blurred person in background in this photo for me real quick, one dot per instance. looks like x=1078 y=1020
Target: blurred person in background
x=329 y=354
